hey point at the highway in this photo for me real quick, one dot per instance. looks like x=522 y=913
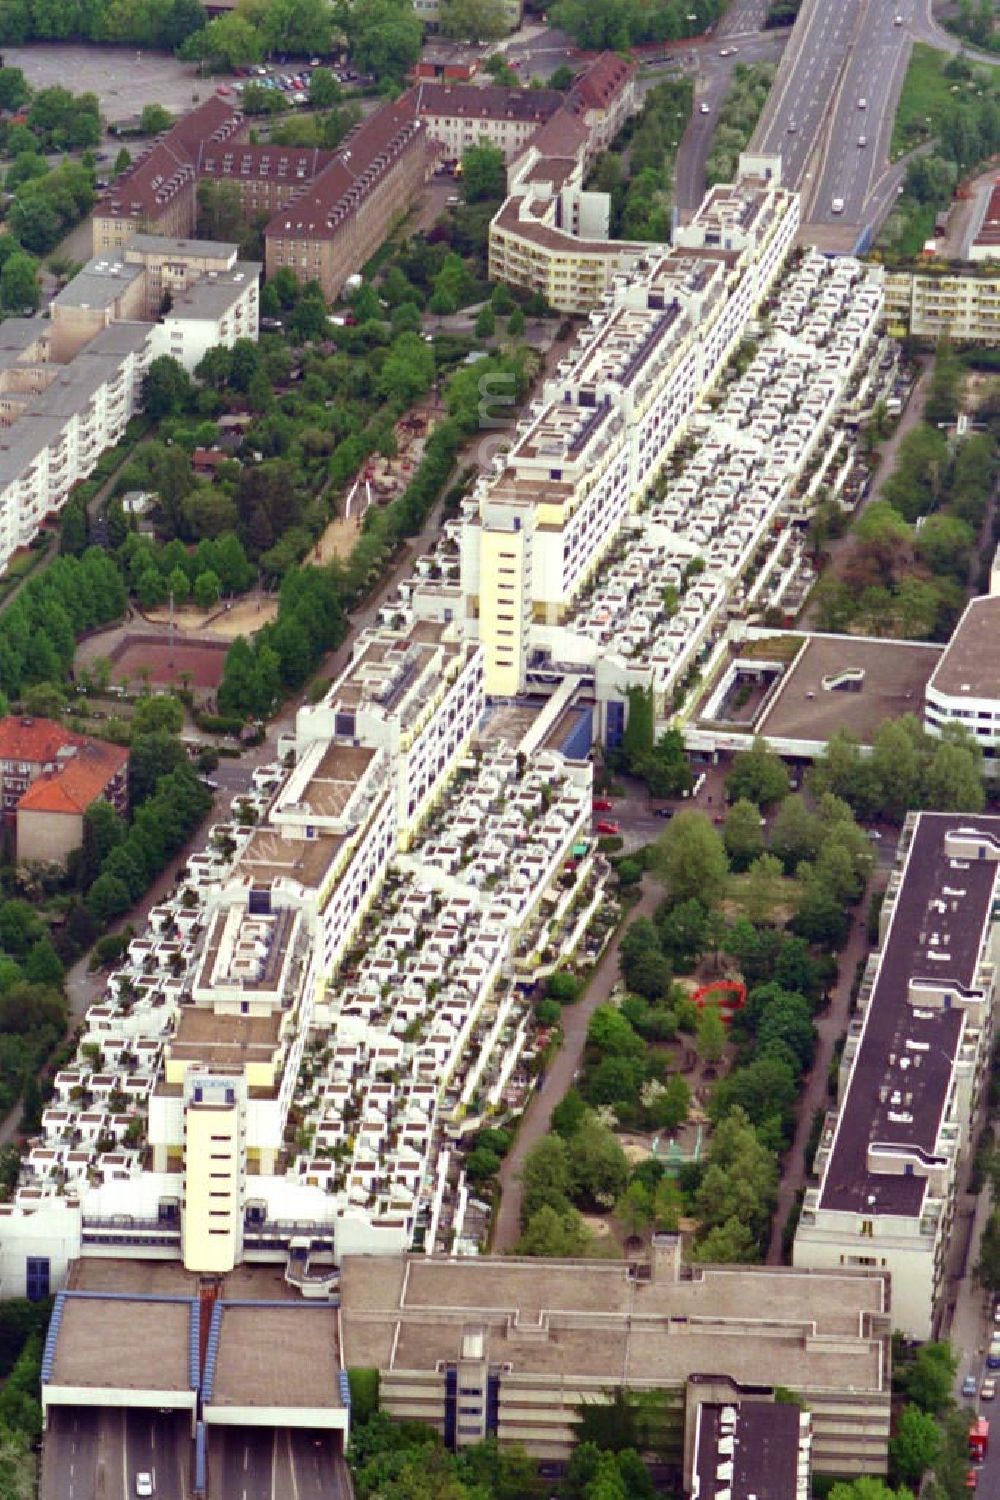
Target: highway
x=248 y=1463
x=94 y=1453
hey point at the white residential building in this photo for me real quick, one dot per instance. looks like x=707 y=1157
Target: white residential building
x=965 y=687
x=913 y=1071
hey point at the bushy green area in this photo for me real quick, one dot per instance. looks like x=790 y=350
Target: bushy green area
x=741 y=109
x=619 y=24
x=915 y=551
x=977 y=22
x=955 y=104
x=642 y=186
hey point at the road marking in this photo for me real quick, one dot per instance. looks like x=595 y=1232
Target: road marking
x=124 y=1453
x=246 y=1459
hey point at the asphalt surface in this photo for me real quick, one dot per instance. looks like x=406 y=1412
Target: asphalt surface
x=94 y=1453
x=247 y=1463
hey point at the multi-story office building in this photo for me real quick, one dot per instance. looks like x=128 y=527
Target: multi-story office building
x=965 y=686
x=590 y=449
x=913 y=1070
x=510 y=1348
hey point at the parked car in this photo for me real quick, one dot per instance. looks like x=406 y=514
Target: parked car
x=609 y=828
x=969 y=1385
x=602 y=804
x=988 y=1389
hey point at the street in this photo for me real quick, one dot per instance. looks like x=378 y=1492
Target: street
x=266 y=1463
x=94 y=1453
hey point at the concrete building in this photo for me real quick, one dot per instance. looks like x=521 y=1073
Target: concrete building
x=750 y=1450
x=913 y=1070
x=429 y=11
x=510 y=1348
x=197 y=294
x=965 y=686
x=48 y=778
x=938 y=304
x=551 y=235
x=589 y=451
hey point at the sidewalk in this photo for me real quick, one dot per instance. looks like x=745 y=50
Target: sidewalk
x=559 y=1077
x=830 y=1026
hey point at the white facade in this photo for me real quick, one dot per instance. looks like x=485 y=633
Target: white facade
x=213 y=313
x=913 y=1071
x=964 y=690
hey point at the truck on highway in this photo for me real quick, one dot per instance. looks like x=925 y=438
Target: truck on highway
x=979 y=1439
x=837 y=205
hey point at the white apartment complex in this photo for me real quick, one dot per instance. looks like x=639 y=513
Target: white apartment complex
x=913 y=1070
x=69 y=385
x=936 y=304
x=595 y=442
x=965 y=687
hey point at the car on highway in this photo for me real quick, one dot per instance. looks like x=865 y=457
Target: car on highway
x=792 y=129
x=862 y=103
x=862 y=140
x=897 y=20
x=609 y=828
x=969 y=1385
x=988 y=1389
x=143 y=1485
x=837 y=206
x=704 y=109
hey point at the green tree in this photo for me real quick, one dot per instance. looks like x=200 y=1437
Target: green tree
x=20 y=287
x=554 y=1232
x=930 y=1378
x=474 y=20
x=166 y=388
x=207 y=589
x=758 y=776
x=227 y=42
x=762 y=890
x=385 y=37
x=486 y=323
x=484 y=169
x=711 y=1034
x=915 y=1446
x=408 y=371
x=598 y=1169
x=515 y=323
x=690 y=859
x=324 y=90
x=155 y=119
x=545 y=1179
x=742 y=834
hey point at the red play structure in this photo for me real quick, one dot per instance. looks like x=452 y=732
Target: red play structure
x=724 y=988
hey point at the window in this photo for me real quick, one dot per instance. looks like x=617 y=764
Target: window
x=37 y=1276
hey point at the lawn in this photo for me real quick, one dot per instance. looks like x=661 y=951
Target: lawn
x=927 y=97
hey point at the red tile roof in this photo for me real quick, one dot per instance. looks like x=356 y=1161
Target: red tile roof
x=80 y=780
x=491 y=103
x=156 y=178
x=35 y=741
x=358 y=166
x=603 y=81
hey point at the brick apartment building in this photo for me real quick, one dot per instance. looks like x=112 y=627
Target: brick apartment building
x=48 y=778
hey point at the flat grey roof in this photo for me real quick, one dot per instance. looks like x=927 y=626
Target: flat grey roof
x=895 y=676
x=278 y=1354
x=101 y=281
x=970 y=666
x=123 y=1343
x=591 y=1320
x=162 y=244
x=901 y=1077
x=210 y=297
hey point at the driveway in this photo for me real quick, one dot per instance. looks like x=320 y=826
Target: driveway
x=561 y=1072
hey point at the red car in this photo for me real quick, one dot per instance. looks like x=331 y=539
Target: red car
x=602 y=804
x=609 y=828
x=223 y=88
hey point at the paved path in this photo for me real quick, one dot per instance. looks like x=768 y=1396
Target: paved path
x=830 y=1027
x=559 y=1077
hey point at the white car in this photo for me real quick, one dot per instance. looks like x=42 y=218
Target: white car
x=862 y=140
x=703 y=108
x=862 y=103
x=143 y=1485
x=837 y=205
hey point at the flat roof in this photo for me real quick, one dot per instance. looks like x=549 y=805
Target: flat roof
x=593 y=1320
x=132 y=1343
x=970 y=664
x=203 y=1035
x=277 y=1354
x=902 y=1072
x=271 y=856
x=896 y=674
x=748 y=1452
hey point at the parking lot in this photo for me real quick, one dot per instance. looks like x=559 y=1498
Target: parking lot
x=122 y=79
